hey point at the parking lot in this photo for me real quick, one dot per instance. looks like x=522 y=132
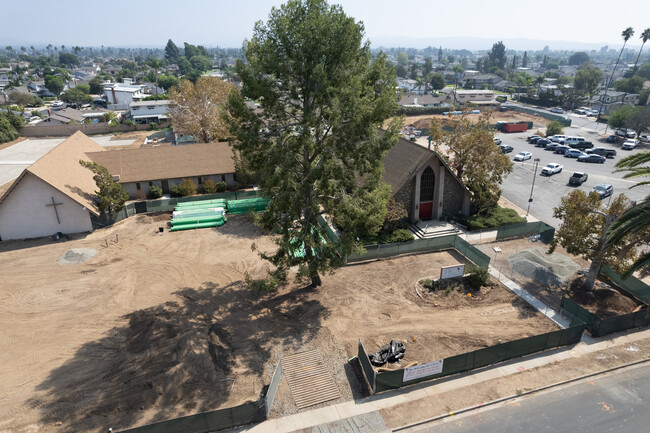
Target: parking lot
x=548 y=190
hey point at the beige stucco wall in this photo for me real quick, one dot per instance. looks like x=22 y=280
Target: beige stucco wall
x=24 y=214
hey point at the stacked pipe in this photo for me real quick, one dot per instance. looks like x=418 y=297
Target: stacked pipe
x=239 y=207
x=199 y=214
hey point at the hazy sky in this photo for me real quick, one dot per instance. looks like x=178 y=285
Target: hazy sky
x=227 y=23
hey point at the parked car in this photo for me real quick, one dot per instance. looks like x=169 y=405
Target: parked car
x=627 y=133
x=522 y=156
x=592 y=157
x=531 y=137
x=557 y=110
x=578 y=178
x=542 y=142
x=612 y=139
x=645 y=137
x=607 y=153
x=551 y=146
x=497 y=140
x=573 y=140
x=582 y=145
x=534 y=139
x=603 y=190
x=57 y=103
x=506 y=148
x=593 y=113
x=573 y=153
x=558 y=138
x=561 y=149
x=551 y=168
x=629 y=144
x=580 y=111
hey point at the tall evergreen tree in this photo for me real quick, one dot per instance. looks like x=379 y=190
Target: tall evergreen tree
x=171 y=52
x=315 y=146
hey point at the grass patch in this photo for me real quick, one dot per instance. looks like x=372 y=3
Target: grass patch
x=496 y=218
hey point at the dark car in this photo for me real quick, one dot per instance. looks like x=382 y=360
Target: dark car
x=582 y=145
x=551 y=146
x=591 y=158
x=506 y=148
x=542 y=142
x=607 y=153
x=612 y=139
x=534 y=139
x=578 y=178
x=561 y=148
x=603 y=190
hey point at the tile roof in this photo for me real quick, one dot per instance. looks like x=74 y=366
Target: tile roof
x=167 y=162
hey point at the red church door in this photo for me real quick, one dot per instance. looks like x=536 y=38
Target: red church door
x=427 y=182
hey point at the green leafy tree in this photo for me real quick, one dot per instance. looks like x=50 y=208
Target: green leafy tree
x=171 y=52
x=587 y=80
x=437 y=81
x=201 y=63
x=629 y=85
x=68 y=59
x=400 y=70
x=111 y=195
x=24 y=99
x=315 y=146
x=10 y=123
x=84 y=88
x=583 y=232
x=427 y=66
x=639 y=119
x=497 y=55
x=167 y=81
x=402 y=58
x=480 y=164
x=75 y=96
x=191 y=51
x=619 y=117
x=578 y=58
x=54 y=84
x=554 y=128
x=644 y=71
x=96 y=86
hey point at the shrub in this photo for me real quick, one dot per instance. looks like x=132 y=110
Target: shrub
x=155 y=192
x=554 y=128
x=496 y=218
x=153 y=125
x=399 y=235
x=477 y=276
x=221 y=186
x=140 y=195
x=130 y=123
x=209 y=186
x=175 y=190
x=187 y=187
x=36 y=113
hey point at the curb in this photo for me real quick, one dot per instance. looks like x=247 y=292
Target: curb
x=523 y=394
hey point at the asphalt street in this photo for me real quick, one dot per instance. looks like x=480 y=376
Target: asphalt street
x=616 y=402
x=548 y=191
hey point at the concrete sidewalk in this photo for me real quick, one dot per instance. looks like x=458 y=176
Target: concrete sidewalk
x=333 y=415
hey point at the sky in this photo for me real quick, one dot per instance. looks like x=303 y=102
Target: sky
x=588 y=24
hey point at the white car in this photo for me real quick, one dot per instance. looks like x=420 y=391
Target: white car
x=629 y=144
x=57 y=104
x=645 y=137
x=522 y=156
x=551 y=168
x=558 y=139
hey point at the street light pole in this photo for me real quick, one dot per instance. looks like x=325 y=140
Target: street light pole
x=530 y=200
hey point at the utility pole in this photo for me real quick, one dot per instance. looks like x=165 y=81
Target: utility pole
x=530 y=200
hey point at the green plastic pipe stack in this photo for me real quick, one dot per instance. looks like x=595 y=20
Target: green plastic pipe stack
x=200 y=202
x=196 y=220
x=238 y=207
x=197 y=225
x=198 y=212
x=198 y=205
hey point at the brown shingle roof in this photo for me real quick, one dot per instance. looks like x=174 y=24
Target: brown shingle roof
x=167 y=162
x=60 y=168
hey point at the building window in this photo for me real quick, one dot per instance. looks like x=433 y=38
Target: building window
x=223 y=177
x=200 y=180
x=427 y=181
x=150 y=184
x=137 y=186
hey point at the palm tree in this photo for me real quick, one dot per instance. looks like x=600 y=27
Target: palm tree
x=636 y=219
x=644 y=37
x=626 y=34
x=155 y=64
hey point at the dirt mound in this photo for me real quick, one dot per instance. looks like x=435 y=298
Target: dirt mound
x=603 y=301
x=76 y=256
x=536 y=264
x=154 y=217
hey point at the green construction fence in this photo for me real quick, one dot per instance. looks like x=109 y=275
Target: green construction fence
x=598 y=327
x=479 y=358
x=545 y=231
x=565 y=121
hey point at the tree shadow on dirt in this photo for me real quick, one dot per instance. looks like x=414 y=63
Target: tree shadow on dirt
x=241 y=226
x=182 y=354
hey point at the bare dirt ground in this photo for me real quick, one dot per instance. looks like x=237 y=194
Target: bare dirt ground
x=607 y=301
x=156 y=326
x=138 y=136
x=424 y=121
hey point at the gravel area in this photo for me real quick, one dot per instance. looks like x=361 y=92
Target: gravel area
x=536 y=264
x=76 y=256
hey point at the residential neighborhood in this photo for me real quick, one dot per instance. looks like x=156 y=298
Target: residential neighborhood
x=289 y=221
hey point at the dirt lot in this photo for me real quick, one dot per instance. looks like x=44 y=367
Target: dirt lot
x=155 y=326
x=607 y=301
x=424 y=121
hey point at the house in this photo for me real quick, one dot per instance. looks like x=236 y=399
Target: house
x=4 y=81
x=54 y=194
x=120 y=95
x=504 y=85
x=164 y=166
x=148 y=111
x=417 y=100
x=423 y=183
x=478 y=81
x=65 y=116
x=611 y=100
x=480 y=97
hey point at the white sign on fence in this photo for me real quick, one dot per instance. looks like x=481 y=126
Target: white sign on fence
x=424 y=370
x=452 y=272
